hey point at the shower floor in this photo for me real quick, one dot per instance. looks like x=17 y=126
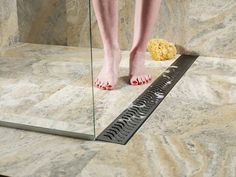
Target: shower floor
x=191 y=133
x=47 y=86
x=50 y=86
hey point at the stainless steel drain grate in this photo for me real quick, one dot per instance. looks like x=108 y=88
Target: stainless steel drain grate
x=130 y=120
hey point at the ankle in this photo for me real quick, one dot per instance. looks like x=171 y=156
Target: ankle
x=137 y=50
x=112 y=52
x=137 y=54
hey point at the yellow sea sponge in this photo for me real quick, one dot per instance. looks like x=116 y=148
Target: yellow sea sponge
x=161 y=49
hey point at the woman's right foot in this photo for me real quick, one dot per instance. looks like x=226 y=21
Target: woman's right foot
x=138 y=73
x=108 y=76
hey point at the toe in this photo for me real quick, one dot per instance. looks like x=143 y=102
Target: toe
x=150 y=77
x=147 y=78
x=97 y=83
x=103 y=85
x=134 y=81
x=109 y=86
x=140 y=81
x=144 y=79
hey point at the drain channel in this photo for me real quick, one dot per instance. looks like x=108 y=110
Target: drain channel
x=130 y=120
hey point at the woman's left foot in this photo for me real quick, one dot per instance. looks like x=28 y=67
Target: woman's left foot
x=138 y=74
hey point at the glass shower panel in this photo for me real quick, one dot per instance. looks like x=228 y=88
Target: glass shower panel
x=46 y=70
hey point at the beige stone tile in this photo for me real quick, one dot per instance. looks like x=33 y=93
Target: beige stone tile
x=191 y=133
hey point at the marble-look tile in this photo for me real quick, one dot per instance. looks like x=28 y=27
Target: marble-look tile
x=39 y=86
x=8 y=23
x=55 y=76
x=78 y=33
x=203 y=27
x=218 y=88
x=43 y=21
x=191 y=133
x=58 y=22
x=35 y=154
x=213 y=31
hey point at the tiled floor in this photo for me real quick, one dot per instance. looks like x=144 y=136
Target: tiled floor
x=191 y=133
x=50 y=86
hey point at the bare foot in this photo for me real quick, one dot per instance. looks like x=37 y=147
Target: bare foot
x=138 y=74
x=108 y=76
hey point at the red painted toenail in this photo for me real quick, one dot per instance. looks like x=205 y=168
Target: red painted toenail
x=109 y=86
x=134 y=82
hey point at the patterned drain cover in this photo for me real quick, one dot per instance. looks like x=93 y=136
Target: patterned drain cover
x=131 y=119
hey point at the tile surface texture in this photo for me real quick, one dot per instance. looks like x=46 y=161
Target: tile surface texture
x=204 y=27
x=47 y=86
x=191 y=133
x=42 y=21
x=8 y=23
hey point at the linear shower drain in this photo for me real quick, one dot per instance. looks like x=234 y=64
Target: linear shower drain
x=130 y=120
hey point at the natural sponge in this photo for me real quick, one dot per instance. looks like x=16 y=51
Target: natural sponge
x=161 y=49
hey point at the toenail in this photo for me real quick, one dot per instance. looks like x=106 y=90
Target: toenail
x=134 y=82
x=109 y=86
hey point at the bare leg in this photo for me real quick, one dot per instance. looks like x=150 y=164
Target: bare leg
x=146 y=12
x=106 y=12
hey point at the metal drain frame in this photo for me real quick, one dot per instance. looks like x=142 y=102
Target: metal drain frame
x=131 y=119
